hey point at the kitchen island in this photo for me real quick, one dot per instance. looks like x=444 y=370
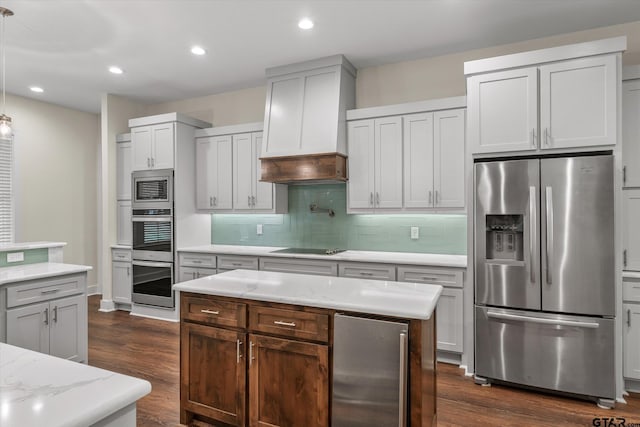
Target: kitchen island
x=257 y=347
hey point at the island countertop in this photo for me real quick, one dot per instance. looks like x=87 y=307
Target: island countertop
x=386 y=298
x=41 y=390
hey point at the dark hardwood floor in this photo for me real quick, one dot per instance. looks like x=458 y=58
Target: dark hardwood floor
x=149 y=349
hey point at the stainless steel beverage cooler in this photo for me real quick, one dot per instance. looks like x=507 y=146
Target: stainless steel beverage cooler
x=544 y=274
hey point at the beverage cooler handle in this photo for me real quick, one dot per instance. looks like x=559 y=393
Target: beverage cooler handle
x=532 y=231
x=549 y=251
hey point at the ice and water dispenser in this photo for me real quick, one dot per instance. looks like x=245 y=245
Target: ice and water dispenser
x=505 y=237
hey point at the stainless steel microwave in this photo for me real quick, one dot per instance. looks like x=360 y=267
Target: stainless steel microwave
x=152 y=189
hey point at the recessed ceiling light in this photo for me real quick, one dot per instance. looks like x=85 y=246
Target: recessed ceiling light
x=115 y=70
x=305 y=24
x=36 y=89
x=197 y=50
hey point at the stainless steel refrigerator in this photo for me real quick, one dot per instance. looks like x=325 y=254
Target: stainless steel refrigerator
x=544 y=274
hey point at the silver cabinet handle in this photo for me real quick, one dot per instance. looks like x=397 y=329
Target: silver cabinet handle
x=55 y=314
x=549 y=251
x=429 y=278
x=624 y=175
x=253 y=200
x=215 y=201
x=377 y=198
x=624 y=258
x=153 y=162
x=50 y=291
x=542 y=320
x=148 y=162
x=248 y=200
x=371 y=198
x=547 y=137
x=193 y=274
x=533 y=137
x=128 y=271
x=251 y=358
x=532 y=231
x=365 y=273
x=430 y=198
x=629 y=317
x=236 y=264
x=280 y=322
x=402 y=391
x=210 y=201
x=209 y=311
x=238 y=355
x=46 y=316
x=437 y=196
x=197 y=261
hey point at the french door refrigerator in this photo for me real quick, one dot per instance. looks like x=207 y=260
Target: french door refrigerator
x=544 y=274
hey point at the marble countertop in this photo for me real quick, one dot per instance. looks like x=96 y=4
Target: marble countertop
x=386 y=298
x=41 y=390
x=20 y=273
x=7 y=247
x=411 y=258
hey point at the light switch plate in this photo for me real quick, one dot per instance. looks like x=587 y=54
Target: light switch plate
x=259 y=229
x=415 y=233
x=15 y=257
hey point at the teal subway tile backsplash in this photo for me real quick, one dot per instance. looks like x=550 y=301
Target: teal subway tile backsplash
x=442 y=234
x=31 y=256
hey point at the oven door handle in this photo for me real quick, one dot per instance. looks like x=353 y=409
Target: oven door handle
x=151 y=219
x=153 y=264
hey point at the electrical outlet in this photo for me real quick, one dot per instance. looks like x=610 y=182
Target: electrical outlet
x=15 y=257
x=415 y=233
x=259 y=229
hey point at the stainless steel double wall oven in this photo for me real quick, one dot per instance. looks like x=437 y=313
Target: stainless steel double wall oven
x=153 y=249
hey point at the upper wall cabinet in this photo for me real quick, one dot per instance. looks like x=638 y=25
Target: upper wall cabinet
x=404 y=162
x=123 y=166
x=548 y=100
x=213 y=173
x=631 y=130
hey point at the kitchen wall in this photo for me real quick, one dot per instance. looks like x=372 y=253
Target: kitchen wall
x=301 y=228
x=56 y=157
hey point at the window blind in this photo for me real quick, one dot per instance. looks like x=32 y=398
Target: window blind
x=6 y=191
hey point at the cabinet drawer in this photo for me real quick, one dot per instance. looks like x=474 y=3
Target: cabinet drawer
x=234 y=262
x=121 y=255
x=367 y=271
x=188 y=259
x=289 y=323
x=44 y=290
x=321 y=268
x=192 y=273
x=631 y=290
x=214 y=311
x=432 y=275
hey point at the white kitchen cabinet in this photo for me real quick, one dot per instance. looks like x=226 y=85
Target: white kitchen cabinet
x=153 y=146
x=121 y=276
x=124 y=228
x=123 y=167
x=301 y=266
x=192 y=273
x=234 y=262
x=375 y=164
x=57 y=327
x=631 y=227
x=362 y=270
x=214 y=189
x=433 y=145
x=631 y=325
x=576 y=98
x=631 y=133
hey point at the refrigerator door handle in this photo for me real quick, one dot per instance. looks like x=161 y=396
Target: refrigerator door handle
x=542 y=320
x=532 y=230
x=549 y=251
x=402 y=392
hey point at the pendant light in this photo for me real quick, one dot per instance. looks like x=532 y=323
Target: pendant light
x=5 y=121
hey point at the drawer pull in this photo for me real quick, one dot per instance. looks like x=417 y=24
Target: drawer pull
x=236 y=264
x=364 y=273
x=429 y=278
x=281 y=323
x=197 y=261
x=50 y=291
x=209 y=311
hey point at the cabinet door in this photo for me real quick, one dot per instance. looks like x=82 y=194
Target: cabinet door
x=320 y=110
x=68 y=328
x=213 y=371
x=448 y=162
x=121 y=279
x=631 y=133
x=141 y=147
x=418 y=160
x=163 y=142
x=578 y=103
x=243 y=173
x=263 y=190
x=631 y=341
x=28 y=327
x=288 y=383
x=123 y=170
x=214 y=173
x=631 y=233
x=388 y=162
x=124 y=222
x=283 y=115
x=449 y=320
x=361 y=164
x=503 y=111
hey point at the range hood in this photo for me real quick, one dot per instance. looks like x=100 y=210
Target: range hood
x=305 y=132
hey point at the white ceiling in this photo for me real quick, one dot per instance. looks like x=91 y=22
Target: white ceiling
x=66 y=46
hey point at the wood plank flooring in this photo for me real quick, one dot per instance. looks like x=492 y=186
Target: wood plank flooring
x=149 y=349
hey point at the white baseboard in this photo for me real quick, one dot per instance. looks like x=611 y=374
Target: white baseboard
x=107 y=305
x=632 y=385
x=93 y=290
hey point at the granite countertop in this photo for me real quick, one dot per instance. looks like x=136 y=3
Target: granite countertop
x=410 y=258
x=386 y=298
x=8 y=247
x=20 y=273
x=41 y=390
